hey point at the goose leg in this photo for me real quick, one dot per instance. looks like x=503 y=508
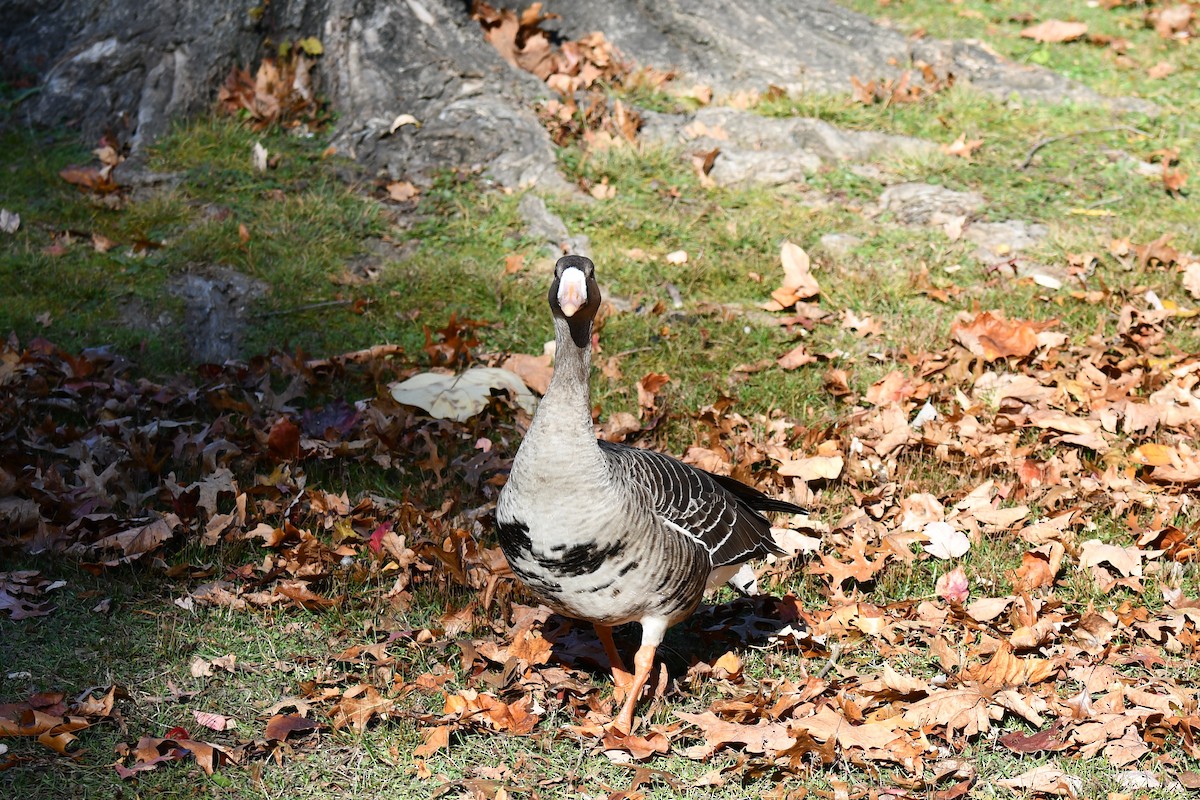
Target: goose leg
x=621 y=676
x=643 y=663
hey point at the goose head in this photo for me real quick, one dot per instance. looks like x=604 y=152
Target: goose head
x=575 y=296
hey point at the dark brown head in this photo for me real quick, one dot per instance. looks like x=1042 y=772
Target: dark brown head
x=575 y=296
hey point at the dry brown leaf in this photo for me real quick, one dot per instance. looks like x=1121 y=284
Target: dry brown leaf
x=281 y=726
x=795 y=358
x=1191 y=279
x=963 y=711
x=761 y=738
x=402 y=191
x=992 y=336
x=1160 y=70
x=648 y=388
x=535 y=371
x=513 y=263
x=1046 y=779
x=798 y=280
x=1056 y=30
x=436 y=738
x=813 y=468
x=963 y=148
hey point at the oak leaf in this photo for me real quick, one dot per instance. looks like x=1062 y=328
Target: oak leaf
x=992 y=336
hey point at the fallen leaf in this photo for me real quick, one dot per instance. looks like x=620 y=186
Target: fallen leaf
x=963 y=148
x=795 y=358
x=992 y=336
x=1046 y=779
x=437 y=738
x=460 y=396
x=216 y=722
x=535 y=371
x=953 y=586
x=402 y=191
x=281 y=726
x=945 y=541
x=1160 y=70
x=813 y=468
x=798 y=281
x=1055 y=30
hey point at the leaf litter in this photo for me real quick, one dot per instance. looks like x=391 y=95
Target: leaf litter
x=1048 y=439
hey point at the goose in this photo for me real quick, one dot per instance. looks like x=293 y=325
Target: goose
x=608 y=533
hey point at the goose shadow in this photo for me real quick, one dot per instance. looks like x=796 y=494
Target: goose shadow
x=709 y=633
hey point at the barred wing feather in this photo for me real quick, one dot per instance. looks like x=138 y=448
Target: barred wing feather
x=721 y=513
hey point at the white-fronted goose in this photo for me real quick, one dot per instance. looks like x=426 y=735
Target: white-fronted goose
x=608 y=533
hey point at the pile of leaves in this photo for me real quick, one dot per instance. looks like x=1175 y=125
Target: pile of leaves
x=279 y=92
x=893 y=91
x=578 y=71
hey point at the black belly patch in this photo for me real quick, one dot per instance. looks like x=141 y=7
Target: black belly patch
x=582 y=559
x=514 y=539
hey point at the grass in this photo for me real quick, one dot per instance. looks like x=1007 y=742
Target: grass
x=314 y=214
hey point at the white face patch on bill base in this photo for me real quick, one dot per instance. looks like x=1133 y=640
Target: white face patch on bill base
x=572 y=291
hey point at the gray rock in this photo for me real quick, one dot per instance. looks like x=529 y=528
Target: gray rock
x=839 y=244
x=918 y=203
x=767 y=167
x=136 y=66
x=546 y=227
x=758 y=149
x=217 y=301
x=802 y=46
x=998 y=240
x=133 y=66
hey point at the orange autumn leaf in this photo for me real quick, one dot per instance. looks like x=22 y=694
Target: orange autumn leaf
x=992 y=336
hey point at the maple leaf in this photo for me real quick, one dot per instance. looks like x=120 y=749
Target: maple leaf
x=763 y=737
x=1007 y=669
x=961 y=147
x=648 y=388
x=358 y=706
x=813 y=468
x=945 y=541
x=435 y=739
x=859 y=567
x=828 y=724
x=402 y=191
x=795 y=358
x=1127 y=560
x=1047 y=740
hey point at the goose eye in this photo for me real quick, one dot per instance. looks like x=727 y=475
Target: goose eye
x=572 y=291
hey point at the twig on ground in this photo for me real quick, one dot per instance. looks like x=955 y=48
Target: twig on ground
x=309 y=307
x=835 y=651
x=357 y=356
x=1052 y=139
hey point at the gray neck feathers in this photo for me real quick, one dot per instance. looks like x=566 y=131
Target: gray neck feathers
x=566 y=406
